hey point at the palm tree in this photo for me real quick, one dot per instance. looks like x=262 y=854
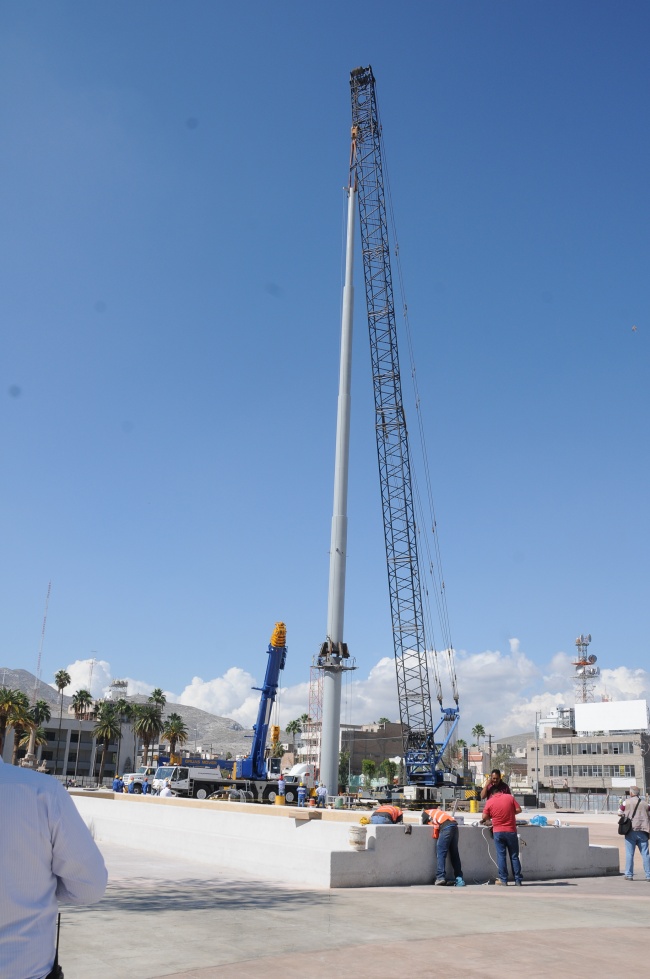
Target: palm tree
x=108 y=728
x=293 y=727
x=148 y=725
x=10 y=700
x=81 y=701
x=479 y=732
x=158 y=698
x=175 y=732
x=124 y=710
x=62 y=680
x=38 y=736
x=20 y=720
x=40 y=713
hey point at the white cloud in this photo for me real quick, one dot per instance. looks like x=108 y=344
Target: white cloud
x=501 y=691
x=224 y=695
x=88 y=674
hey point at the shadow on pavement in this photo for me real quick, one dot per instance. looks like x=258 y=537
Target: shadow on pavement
x=139 y=894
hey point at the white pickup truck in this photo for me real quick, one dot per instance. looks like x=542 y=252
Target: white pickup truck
x=138 y=778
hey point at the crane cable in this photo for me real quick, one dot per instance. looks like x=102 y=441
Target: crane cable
x=434 y=563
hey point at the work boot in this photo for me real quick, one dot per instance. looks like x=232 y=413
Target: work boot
x=460 y=882
x=501 y=883
x=441 y=883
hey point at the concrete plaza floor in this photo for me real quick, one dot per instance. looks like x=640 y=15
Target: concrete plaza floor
x=172 y=917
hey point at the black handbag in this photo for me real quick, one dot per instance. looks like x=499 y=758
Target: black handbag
x=625 y=822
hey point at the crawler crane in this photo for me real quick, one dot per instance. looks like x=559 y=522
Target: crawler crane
x=423 y=747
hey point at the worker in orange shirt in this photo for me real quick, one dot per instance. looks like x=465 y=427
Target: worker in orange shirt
x=387 y=814
x=445 y=833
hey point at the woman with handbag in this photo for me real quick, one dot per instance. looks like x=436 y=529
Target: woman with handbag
x=635 y=809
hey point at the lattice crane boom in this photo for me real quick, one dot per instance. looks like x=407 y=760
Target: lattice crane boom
x=421 y=752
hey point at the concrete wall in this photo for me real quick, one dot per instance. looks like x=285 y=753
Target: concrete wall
x=272 y=843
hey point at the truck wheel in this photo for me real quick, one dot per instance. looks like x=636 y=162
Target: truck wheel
x=137 y=789
x=290 y=796
x=269 y=795
x=201 y=794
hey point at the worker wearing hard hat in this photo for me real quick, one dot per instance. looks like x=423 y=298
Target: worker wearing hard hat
x=445 y=833
x=387 y=814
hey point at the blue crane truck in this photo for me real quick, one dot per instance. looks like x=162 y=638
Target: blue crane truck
x=254 y=778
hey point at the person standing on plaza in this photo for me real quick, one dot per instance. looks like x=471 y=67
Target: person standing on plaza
x=636 y=809
x=321 y=796
x=118 y=784
x=302 y=794
x=445 y=833
x=282 y=787
x=502 y=808
x=47 y=855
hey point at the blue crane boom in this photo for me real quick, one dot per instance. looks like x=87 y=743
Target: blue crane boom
x=422 y=751
x=254 y=766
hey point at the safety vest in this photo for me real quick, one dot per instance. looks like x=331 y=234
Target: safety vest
x=437 y=817
x=391 y=811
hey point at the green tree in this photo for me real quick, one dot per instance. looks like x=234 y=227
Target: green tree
x=388 y=769
x=294 y=728
x=39 y=736
x=479 y=732
x=10 y=701
x=123 y=709
x=41 y=713
x=81 y=701
x=503 y=761
x=148 y=725
x=21 y=720
x=383 y=720
x=107 y=729
x=459 y=746
x=158 y=698
x=62 y=680
x=175 y=731
x=368 y=770
x=344 y=770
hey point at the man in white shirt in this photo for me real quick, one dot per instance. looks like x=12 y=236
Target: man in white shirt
x=166 y=791
x=47 y=856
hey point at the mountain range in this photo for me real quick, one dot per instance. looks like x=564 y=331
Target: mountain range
x=209 y=731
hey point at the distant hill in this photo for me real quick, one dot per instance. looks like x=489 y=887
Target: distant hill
x=211 y=732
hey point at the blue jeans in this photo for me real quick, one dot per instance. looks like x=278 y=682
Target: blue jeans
x=505 y=843
x=447 y=843
x=636 y=837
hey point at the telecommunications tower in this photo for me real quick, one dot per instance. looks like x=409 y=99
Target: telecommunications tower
x=586 y=672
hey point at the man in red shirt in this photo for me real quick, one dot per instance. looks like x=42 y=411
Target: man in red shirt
x=501 y=809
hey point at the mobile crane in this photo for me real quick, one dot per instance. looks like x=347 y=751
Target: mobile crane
x=423 y=749
x=254 y=778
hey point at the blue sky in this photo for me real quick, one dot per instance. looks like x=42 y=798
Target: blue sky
x=171 y=207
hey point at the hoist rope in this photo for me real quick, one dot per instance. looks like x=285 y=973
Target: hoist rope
x=434 y=570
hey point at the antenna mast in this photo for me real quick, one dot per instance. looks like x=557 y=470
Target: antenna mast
x=584 y=678
x=37 y=678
